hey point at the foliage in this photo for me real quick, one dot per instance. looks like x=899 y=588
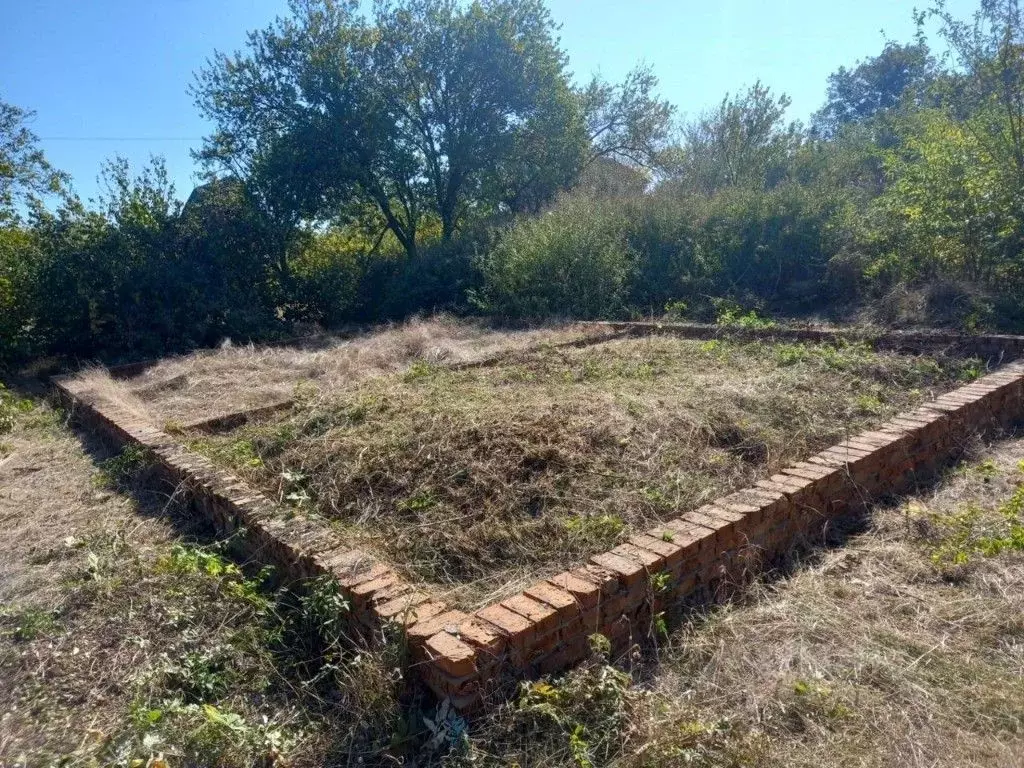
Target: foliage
x=429 y=155
x=11 y=406
x=744 y=142
x=26 y=177
x=875 y=85
x=627 y=123
x=427 y=110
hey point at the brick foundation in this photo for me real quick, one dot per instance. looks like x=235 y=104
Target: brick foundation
x=698 y=557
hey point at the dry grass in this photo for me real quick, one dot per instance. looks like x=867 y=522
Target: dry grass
x=476 y=479
x=875 y=654
x=116 y=633
x=124 y=636
x=236 y=378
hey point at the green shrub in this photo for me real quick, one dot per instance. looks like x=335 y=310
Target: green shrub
x=574 y=260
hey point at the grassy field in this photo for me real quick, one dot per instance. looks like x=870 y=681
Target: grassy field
x=476 y=480
x=128 y=633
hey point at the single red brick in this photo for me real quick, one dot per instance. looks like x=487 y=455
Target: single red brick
x=628 y=570
x=671 y=552
x=400 y=605
x=609 y=581
x=388 y=594
x=484 y=637
x=516 y=628
x=559 y=599
x=421 y=630
x=584 y=591
x=711 y=523
x=544 y=617
x=363 y=591
x=649 y=560
x=741 y=503
x=716 y=511
x=352 y=577
x=809 y=471
x=452 y=655
x=422 y=612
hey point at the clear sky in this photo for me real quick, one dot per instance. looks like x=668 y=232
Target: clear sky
x=110 y=77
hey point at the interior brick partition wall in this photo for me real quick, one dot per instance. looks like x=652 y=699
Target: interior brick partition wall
x=695 y=558
x=991 y=347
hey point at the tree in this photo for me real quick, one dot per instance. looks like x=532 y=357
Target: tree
x=25 y=174
x=988 y=85
x=26 y=178
x=743 y=142
x=873 y=86
x=428 y=110
x=948 y=210
x=627 y=123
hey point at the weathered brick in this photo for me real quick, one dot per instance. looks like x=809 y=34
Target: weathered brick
x=421 y=630
x=607 y=580
x=629 y=571
x=518 y=630
x=452 y=655
x=585 y=592
x=648 y=559
x=404 y=604
x=363 y=591
x=542 y=616
x=561 y=601
x=484 y=637
x=421 y=612
x=671 y=552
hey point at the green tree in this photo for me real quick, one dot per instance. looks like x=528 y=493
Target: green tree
x=627 y=122
x=26 y=180
x=948 y=210
x=986 y=91
x=428 y=110
x=875 y=85
x=744 y=142
x=25 y=174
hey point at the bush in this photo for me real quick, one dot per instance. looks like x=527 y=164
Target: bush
x=575 y=260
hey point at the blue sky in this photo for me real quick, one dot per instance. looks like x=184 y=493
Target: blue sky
x=110 y=77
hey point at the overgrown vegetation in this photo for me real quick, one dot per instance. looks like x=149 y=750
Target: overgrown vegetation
x=341 y=189
x=476 y=477
x=145 y=648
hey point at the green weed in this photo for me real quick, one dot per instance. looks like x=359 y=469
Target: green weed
x=11 y=408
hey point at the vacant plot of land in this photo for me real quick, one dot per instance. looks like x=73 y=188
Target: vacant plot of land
x=473 y=479
x=121 y=639
x=186 y=389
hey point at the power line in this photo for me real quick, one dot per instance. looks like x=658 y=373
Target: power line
x=121 y=138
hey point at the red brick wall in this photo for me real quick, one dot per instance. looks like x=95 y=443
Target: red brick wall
x=695 y=558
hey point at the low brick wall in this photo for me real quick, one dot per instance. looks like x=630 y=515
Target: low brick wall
x=993 y=348
x=301 y=549
x=703 y=554
x=695 y=558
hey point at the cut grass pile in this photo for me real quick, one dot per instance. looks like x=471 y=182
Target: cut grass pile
x=208 y=383
x=476 y=479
